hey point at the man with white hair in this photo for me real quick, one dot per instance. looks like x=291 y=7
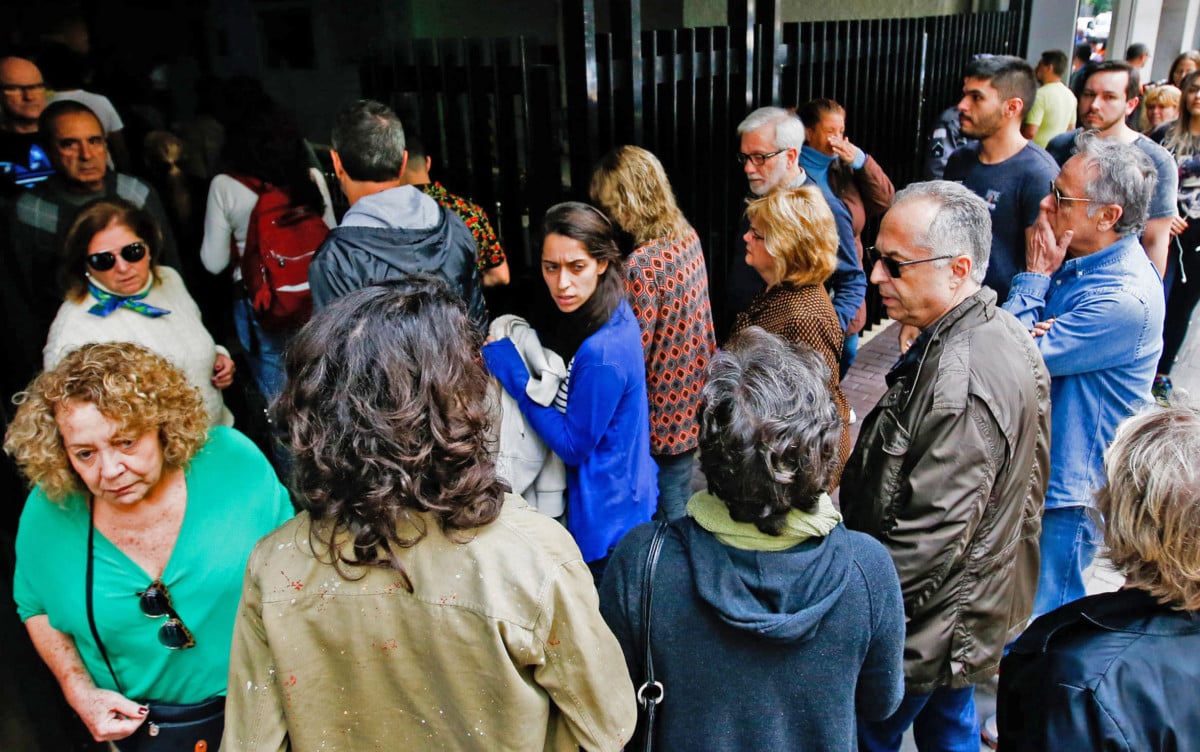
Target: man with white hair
x=771 y=140
x=950 y=469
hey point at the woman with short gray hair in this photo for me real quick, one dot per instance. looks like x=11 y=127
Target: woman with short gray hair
x=799 y=621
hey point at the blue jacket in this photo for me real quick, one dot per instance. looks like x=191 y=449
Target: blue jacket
x=1102 y=352
x=604 y=435
x=1115 y=671
x=761 y=650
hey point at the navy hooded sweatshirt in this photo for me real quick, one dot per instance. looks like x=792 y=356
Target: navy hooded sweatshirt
x=762 y=650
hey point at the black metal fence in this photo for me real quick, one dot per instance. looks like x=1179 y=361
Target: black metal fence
x=518 y=125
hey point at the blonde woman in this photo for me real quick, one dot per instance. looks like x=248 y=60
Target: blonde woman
x=792 y=244
x=1161 y=107
x=667 y=284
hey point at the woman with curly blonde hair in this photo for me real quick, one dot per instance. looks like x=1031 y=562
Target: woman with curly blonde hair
x=419 y=600
x=667 y=283
x=1109 y=671
x=133 y=498
x=792 y=244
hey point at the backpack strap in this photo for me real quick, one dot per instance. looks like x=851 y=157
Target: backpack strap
x=651 y=692
x=251 y=182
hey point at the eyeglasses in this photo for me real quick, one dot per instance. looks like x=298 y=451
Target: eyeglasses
x=758 y=159
x=155 y=602
x=105 y=260
x=893 y=267
x=1059 y=197
x=22 y=88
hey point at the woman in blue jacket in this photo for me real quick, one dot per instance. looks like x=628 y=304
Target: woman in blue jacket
x=599 y=423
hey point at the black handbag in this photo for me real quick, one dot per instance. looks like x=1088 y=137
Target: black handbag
x=650 y=694
x=168 y=728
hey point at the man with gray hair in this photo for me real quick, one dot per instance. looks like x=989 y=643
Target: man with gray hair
x=771 y=140
x=1094 y=302
x=951 y=466
x=391 y=230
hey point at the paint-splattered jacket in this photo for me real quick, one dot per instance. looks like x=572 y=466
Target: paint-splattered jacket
x=498 y=645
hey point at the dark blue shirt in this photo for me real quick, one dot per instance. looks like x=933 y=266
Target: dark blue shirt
x=1012 y=189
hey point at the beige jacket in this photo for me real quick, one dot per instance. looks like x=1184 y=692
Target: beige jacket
x=500 y=646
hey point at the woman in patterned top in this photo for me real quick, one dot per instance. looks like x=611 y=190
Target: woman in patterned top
x=667 y=284
x=792 y=244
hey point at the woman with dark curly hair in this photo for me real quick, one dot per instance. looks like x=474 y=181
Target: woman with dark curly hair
x=799 y=621
x=599 y=423
x=130 y=517
x=414 y=601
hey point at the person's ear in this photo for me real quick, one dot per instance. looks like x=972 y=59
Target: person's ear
x=960 y=267
x=403 y=166
x=601 y=267
x=338 y=170
x=1013 y=107
x=1108 y=216
x=428 y=163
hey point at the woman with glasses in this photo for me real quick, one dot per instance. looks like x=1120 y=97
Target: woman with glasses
x=133 y=543
x=792 y=244
x=599 y=423
x=116 y=291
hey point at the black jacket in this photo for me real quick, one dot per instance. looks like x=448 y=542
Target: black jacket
x=1116 y=671
x=355 y=257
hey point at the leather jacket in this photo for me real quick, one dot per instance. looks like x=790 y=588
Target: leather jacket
x=950 y=474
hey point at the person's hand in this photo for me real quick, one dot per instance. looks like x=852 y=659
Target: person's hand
x=1044 y=253
x=908 y=335
x=845 y=150
x=1041 y=328
x=108 y=715
x=1178 y=225
x=223 y=368
x=506 y=365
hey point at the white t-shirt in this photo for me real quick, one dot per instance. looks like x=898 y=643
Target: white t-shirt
x=230 y=204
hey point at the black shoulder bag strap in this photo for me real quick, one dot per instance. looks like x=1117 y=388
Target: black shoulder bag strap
x=90 y=613
x=651 y=693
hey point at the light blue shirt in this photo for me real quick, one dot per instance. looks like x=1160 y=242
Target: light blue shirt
x=1102 y=353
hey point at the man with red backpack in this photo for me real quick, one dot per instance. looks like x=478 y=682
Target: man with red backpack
x=391 y=230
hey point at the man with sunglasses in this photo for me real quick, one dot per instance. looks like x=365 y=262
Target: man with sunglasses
x=1095 y=303
x=73 y=139
x=950 y=468
x=770 y=142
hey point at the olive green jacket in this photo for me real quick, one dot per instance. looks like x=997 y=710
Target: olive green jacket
x=950 y=474
x=499 y=645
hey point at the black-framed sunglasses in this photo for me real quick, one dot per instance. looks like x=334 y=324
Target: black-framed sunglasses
x=893 y=267
x=758 y=159
x=105 y=260
x=155 y=602
x=1059 y=197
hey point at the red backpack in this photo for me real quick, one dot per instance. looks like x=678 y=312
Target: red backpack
x=280 y=243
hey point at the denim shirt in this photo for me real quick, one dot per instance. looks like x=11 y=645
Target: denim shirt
x=1102 y=353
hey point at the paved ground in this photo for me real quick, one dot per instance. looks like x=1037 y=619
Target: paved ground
x=865 y=384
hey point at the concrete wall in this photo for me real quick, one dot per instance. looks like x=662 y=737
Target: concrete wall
x=1052 y=27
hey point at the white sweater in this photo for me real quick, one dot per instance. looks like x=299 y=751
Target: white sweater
x=180 y=336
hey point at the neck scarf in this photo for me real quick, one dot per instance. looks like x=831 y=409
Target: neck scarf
x=713 y=515
x=109 y=301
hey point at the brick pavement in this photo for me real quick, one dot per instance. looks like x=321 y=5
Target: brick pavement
x=864 y=383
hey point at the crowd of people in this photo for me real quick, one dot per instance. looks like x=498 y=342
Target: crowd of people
x=468 y=531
